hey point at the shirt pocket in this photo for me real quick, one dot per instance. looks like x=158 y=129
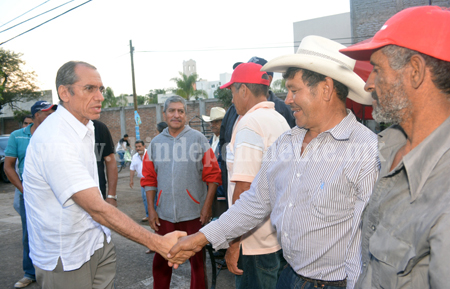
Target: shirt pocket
x=332 y=202
x=395 y=257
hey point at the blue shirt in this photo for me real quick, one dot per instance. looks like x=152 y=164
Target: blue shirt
x=17 y=146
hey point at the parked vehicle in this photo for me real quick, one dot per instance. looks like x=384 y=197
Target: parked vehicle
x=3 y=142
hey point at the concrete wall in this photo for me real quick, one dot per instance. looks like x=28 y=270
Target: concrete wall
x=367 y=17
x=150 y=116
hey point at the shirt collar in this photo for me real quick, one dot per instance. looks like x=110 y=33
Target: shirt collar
x=420 y=162
x=263 y=104
x=80 y=129
x=341 y=131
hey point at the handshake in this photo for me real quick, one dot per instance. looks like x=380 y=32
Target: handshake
x=176 y=247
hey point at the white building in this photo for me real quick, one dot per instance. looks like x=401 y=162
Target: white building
x=335 y=27
x=189 y=67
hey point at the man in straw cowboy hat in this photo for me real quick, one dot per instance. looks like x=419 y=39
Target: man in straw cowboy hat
x=406 y=226
x=315 y=180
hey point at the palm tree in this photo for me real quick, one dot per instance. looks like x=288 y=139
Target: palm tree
x=186 y=86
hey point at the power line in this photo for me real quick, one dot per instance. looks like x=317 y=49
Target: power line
x=44 y=22
x=36 y=16
x=294 y=43
x=24 y=13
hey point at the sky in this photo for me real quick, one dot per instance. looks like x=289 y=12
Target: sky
x=215 y=34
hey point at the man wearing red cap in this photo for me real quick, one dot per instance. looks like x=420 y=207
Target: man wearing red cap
x=256 y=258
x=406 y=226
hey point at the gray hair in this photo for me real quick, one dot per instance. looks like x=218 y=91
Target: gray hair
x=174 y=98
x=398 y=57
x=66 y=74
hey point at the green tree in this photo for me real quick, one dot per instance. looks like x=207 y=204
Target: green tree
x=16 y=85
x=141 y=100
x=153 y=95
x=186 y=86
x=113 y=101
x=224 y=96
x=279 y=85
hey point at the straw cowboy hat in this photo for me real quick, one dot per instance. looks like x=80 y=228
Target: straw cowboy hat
x=216 y=113
x=322 y=55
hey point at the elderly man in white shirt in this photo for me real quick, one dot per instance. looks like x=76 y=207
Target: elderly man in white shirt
x=136 y=167
x=67 y=217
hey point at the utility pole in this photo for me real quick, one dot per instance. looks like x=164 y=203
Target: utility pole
x=137 y=118
x=132 y=76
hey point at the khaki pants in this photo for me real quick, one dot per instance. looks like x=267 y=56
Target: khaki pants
x=97 y=273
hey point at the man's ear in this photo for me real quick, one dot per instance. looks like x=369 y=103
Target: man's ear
x=327 y=88
x=418 y=70
x=64 y=93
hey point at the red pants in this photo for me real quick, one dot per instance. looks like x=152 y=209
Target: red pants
x=162 y=273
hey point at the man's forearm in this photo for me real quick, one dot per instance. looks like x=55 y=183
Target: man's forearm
x=111 y=217
x=150 y=199
x=212 y=188
x=9 y=167
x=111 y=173
x=239 y=189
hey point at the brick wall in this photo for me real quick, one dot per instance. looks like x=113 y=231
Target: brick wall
x=10 y=125
x=147 y=130
x=367 y=17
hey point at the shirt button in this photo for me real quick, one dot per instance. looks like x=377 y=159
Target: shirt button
x=298 y=175
x=286 y=234
x=290 y=205
x=364 y=265
x=373 y=227
x=289 y=257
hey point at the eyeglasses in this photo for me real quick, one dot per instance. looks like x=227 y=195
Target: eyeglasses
x=90 y=88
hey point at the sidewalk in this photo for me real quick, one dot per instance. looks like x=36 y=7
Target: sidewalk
x=134 y=267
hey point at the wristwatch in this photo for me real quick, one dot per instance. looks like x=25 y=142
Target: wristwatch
x=112 y=197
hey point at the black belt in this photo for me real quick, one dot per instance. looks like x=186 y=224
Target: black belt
x=322 y=283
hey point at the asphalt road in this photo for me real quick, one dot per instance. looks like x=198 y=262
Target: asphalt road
x=134 y=267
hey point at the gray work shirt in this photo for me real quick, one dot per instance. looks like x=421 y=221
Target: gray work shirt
x=406 y=226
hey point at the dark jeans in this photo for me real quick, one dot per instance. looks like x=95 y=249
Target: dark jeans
x=260 y=271
x=290 y=280
x=121 y=154
x=27 y=264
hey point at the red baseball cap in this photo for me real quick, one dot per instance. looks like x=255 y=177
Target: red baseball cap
x=248 y=73
x=425 y=29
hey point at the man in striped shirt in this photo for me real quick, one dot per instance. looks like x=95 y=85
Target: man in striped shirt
x=316 y=179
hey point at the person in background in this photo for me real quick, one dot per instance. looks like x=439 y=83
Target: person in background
x=122 y=146
x=161 y=126
x=181 y=165
x=256 y=257
x=215 y=120
x=27 y=120
x=229 y=120
x=136 y=167
x=104 y=152
x=15 y=154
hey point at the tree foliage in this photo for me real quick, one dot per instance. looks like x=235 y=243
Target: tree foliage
x=113 y=101
x=224 y=96
x=279 y=85
x=186 y=86
x=152 y=95
x=16 y=85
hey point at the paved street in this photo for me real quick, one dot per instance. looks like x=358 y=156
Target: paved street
x=133 y=265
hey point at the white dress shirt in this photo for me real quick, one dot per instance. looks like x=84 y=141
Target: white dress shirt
x=136 y=164
x=61 y=162
x=315 y=200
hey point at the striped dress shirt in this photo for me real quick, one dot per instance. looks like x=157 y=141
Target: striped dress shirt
x=315 y=200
